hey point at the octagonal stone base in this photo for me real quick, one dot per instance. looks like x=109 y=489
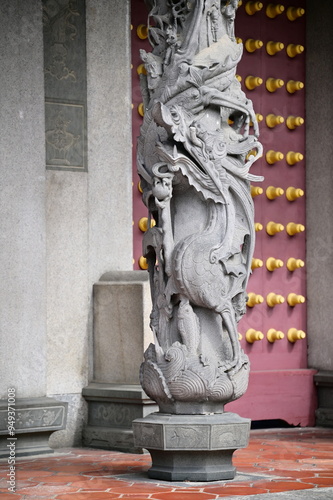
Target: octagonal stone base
x=192 y=447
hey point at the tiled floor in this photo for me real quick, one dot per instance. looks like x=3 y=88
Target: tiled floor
x=275 y=461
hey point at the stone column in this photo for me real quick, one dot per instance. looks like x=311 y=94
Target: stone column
x=23 y=233
x=195 y=151
x=319 y=153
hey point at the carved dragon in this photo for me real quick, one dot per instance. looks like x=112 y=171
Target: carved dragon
x=198 y=141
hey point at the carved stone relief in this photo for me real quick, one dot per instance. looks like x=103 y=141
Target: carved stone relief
x=110 y=414
x=150 y=436
x=178 y=437
x=58 y=19
x=36 y=418
x=65 y=84
x=64 y=135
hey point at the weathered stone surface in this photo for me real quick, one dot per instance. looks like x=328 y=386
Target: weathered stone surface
x=22 y=202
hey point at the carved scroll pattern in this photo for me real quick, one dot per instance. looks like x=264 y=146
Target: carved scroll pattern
x=58 y=18
x=110 y=414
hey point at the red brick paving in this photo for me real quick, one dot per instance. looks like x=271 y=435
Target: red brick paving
x=278 y=460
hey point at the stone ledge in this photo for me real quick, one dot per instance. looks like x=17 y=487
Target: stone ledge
x=125 y=276
x=116 y=392
x=324 y=378
x=35 y=420
x=35 y=415
x=110 y=438
x=111 y=411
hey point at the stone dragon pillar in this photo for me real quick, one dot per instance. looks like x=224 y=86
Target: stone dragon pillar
x=194 y=156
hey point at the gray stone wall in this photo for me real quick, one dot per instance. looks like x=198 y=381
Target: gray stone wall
x=319 y=155
x=22 y=200
x=60 y=230
x=89 y=215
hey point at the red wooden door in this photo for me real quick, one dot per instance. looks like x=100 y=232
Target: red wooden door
x=281 y=386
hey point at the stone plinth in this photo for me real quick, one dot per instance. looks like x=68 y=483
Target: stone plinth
x=122 y=305
x=111 y=411
x=324 y=412
x=192 y=447
x=35 y=420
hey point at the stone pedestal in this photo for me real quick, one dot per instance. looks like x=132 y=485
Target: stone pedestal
x=35 y=420
x=115 y=398
x=111 y=411
x=192 y=447
x=122 y=306
x=324 y=412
